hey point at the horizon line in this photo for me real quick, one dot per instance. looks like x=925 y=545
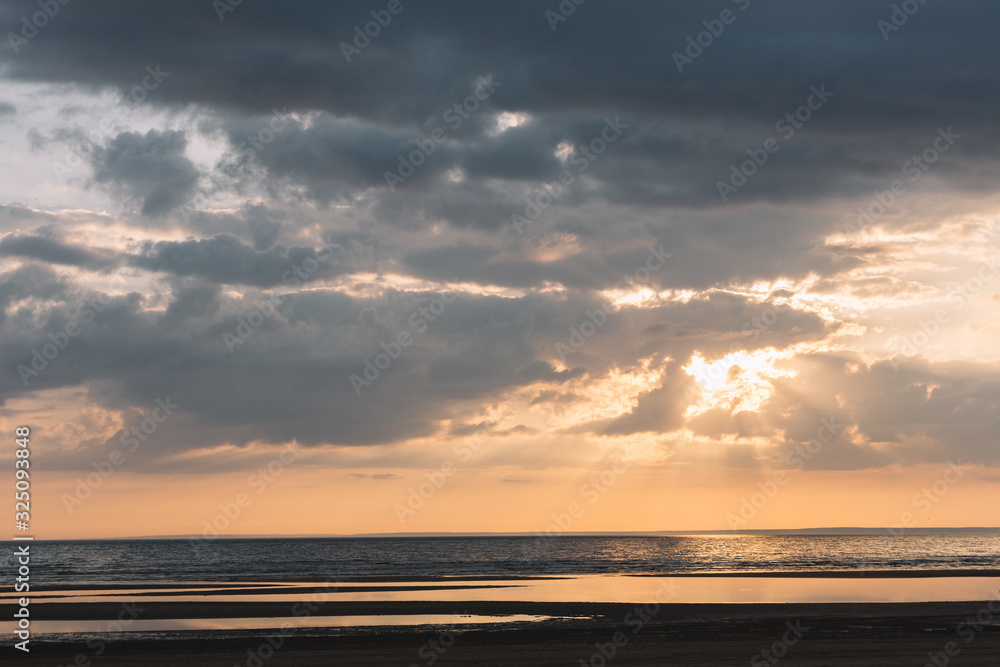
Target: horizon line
x=762 y=532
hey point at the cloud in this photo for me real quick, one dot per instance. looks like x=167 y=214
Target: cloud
x=225 y=259
x=687 y=128
x=150 y=168
x=276 y=187
x=53 y=248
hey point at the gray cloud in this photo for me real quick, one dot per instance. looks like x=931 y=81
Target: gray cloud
x=150 y=168
x=688 y=128
x=321 y=175
x=54 y=249
x=290 y=378
x=225 y=259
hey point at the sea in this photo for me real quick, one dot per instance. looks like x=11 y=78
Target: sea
x=270 y=583
x=330 y=559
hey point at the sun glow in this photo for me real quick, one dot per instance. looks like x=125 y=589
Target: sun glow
x=738 y=382
x=509 y=119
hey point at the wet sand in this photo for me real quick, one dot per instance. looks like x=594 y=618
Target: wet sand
x=276 y=589
x=817 y=634
x=67 y=611
x=696 y=635
x=883 y=634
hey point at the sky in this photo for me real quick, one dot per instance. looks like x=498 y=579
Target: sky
x=396 y=266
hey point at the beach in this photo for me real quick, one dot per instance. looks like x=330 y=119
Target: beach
x=429 y=601
x=258 y=623
x=675 y=634
x=500 y=333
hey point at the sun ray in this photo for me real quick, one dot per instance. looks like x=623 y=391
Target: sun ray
x=737 y=382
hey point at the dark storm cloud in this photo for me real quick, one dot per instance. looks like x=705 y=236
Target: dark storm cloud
x=150 y=168
x=468 y=204
x=289 y=380
x=331 y=159
x=263 y=226
x=258 y=224
x=606 y=59
x=320 y=165
x=606 y=52
x=704 y=248
x=53 y=249
x=225 y=259
x=31 y=282
x=484 y=265
x=520 y=153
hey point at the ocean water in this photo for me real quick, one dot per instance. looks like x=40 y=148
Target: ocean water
x=331 y=559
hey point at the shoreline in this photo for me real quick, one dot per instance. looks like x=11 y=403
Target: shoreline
x=696 y=635
x=99 y=611
x=427 y=578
